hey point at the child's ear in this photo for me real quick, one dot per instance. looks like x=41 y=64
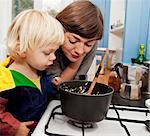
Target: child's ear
x=20 y=53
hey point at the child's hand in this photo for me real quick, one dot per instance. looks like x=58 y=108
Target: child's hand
x=23 y=129
x=56 y=81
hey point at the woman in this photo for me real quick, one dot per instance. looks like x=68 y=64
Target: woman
x=83 y=24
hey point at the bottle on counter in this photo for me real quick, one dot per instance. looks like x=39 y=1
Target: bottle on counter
x=141 y=57
x=114 y=79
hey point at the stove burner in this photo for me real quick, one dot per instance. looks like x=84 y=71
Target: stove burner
x=82 y=124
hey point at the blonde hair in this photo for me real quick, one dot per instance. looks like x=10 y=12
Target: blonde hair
x=33 y=29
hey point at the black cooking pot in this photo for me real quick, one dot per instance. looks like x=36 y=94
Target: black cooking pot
x=83 y=107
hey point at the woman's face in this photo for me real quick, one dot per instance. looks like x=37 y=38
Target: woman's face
x=75 y=46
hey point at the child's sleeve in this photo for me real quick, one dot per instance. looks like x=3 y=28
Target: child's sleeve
x=49 y=86
x=8 y=124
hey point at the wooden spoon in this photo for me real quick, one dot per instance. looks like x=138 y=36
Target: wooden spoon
x=101 y=65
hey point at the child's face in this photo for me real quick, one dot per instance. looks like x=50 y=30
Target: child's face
x=41 y=58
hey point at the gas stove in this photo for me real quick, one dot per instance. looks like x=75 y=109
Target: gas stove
x=120 y=121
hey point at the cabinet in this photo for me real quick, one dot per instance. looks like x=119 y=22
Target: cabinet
x=118 y=31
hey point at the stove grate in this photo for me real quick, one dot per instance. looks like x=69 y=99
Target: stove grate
x=127 y=120
x=84 y=125
x=52 y=116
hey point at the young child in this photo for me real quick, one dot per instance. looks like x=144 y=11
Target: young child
x=32 y=39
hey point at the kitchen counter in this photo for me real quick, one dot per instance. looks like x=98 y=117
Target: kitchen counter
x=103 y=128
x=118 y=100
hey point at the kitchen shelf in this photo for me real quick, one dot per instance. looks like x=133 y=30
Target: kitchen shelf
x=118 y=30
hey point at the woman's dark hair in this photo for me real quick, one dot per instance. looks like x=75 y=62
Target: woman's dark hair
x=82 y=18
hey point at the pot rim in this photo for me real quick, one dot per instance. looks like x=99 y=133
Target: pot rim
x=83 y=94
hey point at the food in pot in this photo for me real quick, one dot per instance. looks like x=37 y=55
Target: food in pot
x=81 y=107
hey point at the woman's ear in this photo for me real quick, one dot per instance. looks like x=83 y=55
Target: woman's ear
x=21 y=54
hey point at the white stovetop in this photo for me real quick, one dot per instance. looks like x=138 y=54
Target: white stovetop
x=104 y=127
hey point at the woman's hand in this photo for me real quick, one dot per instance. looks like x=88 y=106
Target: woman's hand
x=68 y=73
x=23 y=129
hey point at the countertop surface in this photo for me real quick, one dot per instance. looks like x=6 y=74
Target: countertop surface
x=118 y=100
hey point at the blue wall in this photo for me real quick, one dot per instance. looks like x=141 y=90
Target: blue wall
x=104 y=6
x=136 y=28
x=148 y=40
